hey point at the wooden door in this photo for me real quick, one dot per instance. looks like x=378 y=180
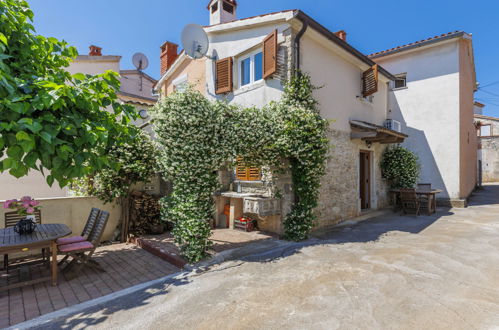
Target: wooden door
x=365 y=179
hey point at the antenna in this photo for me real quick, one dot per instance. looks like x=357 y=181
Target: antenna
x=140 y=61
x=195 y=41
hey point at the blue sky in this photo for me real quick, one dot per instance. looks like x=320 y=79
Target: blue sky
x=123 y=27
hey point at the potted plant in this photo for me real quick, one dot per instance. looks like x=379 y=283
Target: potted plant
x=26 y=207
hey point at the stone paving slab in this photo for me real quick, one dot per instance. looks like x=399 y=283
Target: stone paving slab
x=126 y=266
x=391 y=272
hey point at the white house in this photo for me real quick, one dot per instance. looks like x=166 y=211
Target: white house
x=433 y=98
x=254 y=57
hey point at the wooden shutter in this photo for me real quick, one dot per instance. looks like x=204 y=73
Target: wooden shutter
x=247 y=173
x=223 y=81
x=370 y=81
x=270 y=55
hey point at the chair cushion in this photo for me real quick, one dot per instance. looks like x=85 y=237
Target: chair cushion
x=80 y=246
x=70 y=240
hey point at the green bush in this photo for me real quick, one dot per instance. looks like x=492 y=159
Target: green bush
x=198 y=137
x=400 y=167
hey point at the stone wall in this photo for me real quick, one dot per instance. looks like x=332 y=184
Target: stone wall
x=339 y=195
x=490 y=159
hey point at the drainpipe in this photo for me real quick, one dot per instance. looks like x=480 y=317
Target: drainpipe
x=297 y=45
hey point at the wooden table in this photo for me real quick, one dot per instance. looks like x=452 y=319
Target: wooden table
x=44 y=237
x=430 y=196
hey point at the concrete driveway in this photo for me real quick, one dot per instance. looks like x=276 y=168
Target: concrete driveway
x=391 y=272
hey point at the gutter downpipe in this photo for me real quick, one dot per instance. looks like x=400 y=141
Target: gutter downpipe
x=297 y=45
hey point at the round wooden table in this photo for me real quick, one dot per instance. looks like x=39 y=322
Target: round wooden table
x=44 y=237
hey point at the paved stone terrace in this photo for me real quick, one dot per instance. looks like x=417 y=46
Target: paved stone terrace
x=126 y=265
x=164 y=247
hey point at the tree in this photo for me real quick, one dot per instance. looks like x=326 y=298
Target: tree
x=49 y=119
x=136 y=162
x=400 y=167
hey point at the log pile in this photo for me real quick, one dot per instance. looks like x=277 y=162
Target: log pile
x=144 y=212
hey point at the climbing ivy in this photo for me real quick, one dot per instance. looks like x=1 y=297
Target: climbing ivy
x=198 y=137
x=400 y=167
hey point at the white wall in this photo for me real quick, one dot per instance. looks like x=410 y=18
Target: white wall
x=339 y=97
x=135 y=83
x=429 y=111
x=235 y=43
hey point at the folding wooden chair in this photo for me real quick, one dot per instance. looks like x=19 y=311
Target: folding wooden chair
x=409 y=200
x=87 y=230
x=81 y=252
x=423 y=199
x=11 y=219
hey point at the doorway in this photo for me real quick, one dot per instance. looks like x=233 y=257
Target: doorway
x=365 y=179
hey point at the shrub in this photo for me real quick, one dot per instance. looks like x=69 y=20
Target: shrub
x=400 y=167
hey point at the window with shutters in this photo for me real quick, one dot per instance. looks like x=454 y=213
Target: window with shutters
x=270 y=55
x=223 y=80
x=370 y=81
x=250 y=68
x=247 y=173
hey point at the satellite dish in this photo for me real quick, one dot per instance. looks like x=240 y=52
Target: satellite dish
x=140 y=61
x=195 y=41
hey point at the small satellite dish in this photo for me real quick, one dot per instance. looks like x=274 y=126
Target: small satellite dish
x=140 y=61
x=195 y=41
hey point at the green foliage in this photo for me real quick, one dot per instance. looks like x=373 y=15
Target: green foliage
x=400 y=167
x=48 y=118
x=134 y=162
x=198 y=137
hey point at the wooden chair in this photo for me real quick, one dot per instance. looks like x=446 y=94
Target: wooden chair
x=409 y=201
x=81 y=252
x=11 y=219
x=87 y=230
x=423 y=199
x=424 y=186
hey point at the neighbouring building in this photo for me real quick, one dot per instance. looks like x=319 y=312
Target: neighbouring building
x=254 y=57
x=433 y=99
x=136 y=90
x=488 y=147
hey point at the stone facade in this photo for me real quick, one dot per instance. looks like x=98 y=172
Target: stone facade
x=489 y=147
x=339 y=195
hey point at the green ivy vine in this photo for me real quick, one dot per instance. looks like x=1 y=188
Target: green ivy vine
x=198 y=137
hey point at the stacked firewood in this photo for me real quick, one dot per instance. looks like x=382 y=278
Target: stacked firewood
x=144 y=212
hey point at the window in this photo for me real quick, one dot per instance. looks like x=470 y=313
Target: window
x=251 y=68
x=228 y=7
x=180 y=84
x=486 y=130
x=247 y=173
x=214 y=8
x=400 y=82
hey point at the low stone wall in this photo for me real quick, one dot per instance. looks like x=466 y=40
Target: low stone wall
x=73 y=212
x=490 y=159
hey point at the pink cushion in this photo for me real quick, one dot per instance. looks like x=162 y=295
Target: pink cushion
x=70 y=240
x=76 y=247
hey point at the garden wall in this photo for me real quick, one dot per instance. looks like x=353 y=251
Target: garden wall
x=73 y=212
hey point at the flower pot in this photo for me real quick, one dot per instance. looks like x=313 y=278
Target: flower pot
x=25 y=226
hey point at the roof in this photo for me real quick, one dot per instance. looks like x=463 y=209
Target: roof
x=420 y=43
x=304 y=18
x=486 y=117
x=137 y=99
x=145 y=75
x=478 y=104
x=377 y=133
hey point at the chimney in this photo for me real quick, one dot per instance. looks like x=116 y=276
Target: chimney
x=95 y=51
x=169 y=53
x=342 y=35
x=222 y=11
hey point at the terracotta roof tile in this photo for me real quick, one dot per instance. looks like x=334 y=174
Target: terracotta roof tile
x=416 y=44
